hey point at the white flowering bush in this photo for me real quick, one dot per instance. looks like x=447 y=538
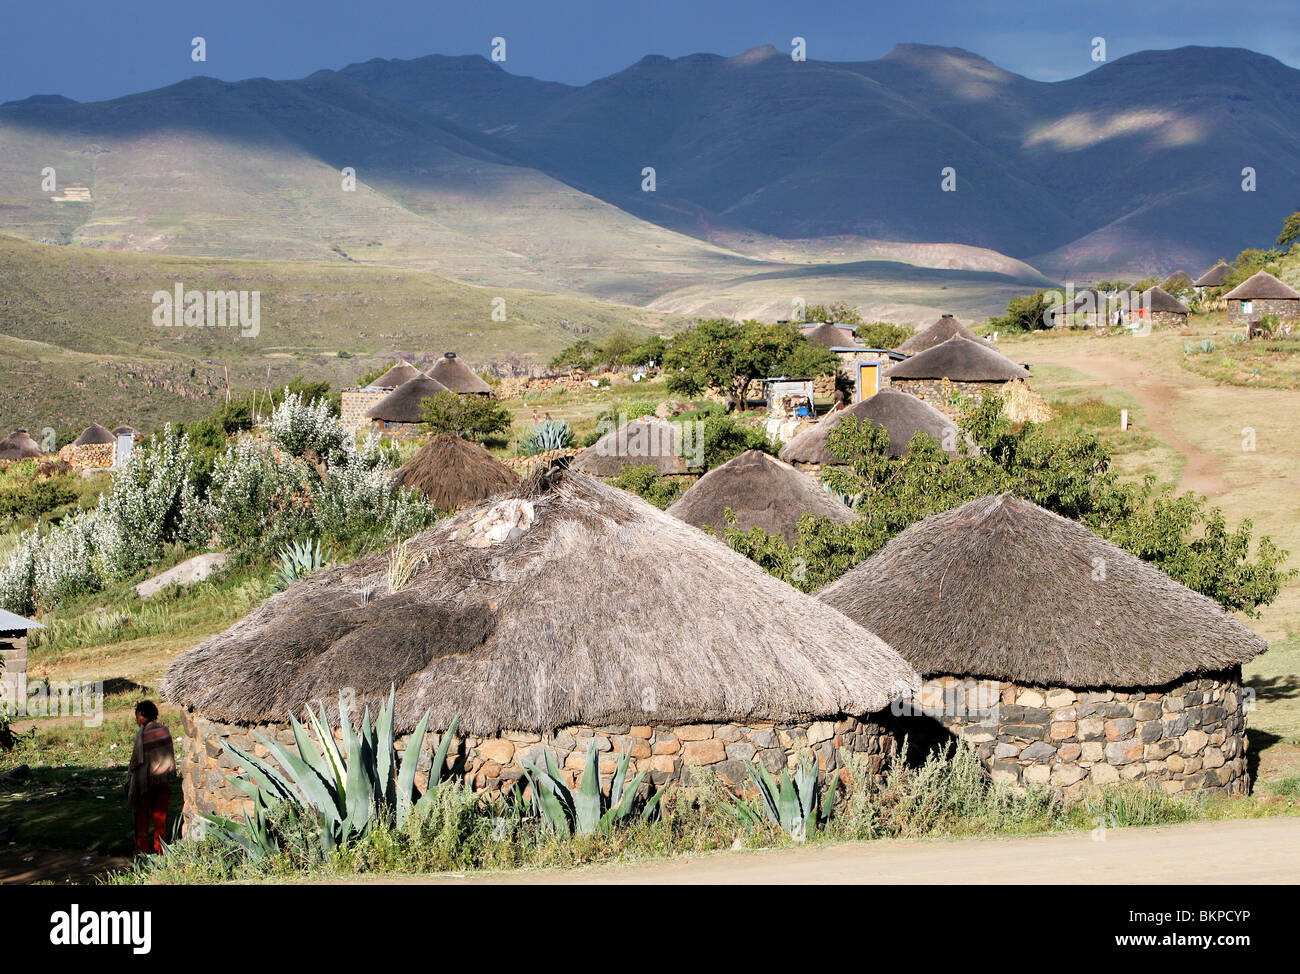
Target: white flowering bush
x=296 y=427
x=18 y=575
x=65 y=560
x=146 y=507
x=254 y=503
x=359 y=503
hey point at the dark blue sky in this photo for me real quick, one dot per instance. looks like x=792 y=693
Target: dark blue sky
x=94 y=49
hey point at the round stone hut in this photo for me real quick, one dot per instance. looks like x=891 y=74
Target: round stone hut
x=647 y=441
x=1064 y=659
x=398 y=413
x=901 y=415
x=763 y=493
x=958 y=365
x=458 y=377
x=454 y=473
x=936 y=334
x=19 y=445
x=567 y=611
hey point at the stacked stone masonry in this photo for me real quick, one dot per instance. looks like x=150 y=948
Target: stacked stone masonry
x=1189 y=735
x=492 y=765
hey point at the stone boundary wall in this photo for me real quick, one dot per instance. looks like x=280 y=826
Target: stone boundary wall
x=492 y=765
x=354 y=405
x=1189 y=735
x=89 y=456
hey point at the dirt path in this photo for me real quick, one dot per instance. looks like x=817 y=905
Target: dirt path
x=1255 y=852
x=1160 y=397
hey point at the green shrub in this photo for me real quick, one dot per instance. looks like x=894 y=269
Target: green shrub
x=644 y=481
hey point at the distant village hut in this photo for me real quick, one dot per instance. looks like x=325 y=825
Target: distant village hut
x=19 y=445
x=356 y=403
x=1163 y=309
x=454 y=473
x=1263 y=294
x=670 y=448
x=1212 y=279
x=566 y=612
x=902 y=415
x=936 y=334
x=398 y=414
x=1062 y=658
x=958 y=366
x=94 y=435
x=858 y=369
x=453 y=373
x=762 y=492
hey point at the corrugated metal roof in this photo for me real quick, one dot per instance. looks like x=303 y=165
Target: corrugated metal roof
x=9 y=621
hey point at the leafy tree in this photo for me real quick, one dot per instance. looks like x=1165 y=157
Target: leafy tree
x=652 y=349
x=724 y=438
x=1290 y=230
x=728 y=355
x=1250 y=262
x=478 y=418
x=883 y=334
x=838 y=312
x=1025 y=313
x=578 y=357
x=1067 y=473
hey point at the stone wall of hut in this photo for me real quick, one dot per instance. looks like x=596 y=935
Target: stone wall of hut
x=89 y=456
x=492 y=765
x=1189 y=735
x=939 y=393
x=1168 y=319
x=1286 y=309
x=355 y=403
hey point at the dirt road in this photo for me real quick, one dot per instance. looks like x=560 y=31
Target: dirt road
x=1261 y=851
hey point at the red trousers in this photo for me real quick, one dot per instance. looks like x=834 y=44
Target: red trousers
x=151 y=810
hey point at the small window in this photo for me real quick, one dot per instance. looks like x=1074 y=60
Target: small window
x=1247 y=307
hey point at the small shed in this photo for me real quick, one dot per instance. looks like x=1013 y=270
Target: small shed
x=791 y=397
x=1263 y=294
x=13 y=652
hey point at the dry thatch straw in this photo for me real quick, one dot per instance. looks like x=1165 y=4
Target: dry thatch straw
x=454 y=473
x=1158 y=299
x=18 y=445
x=936 y=334
x=569 y=602
x=1214 y=277
x=1020 y=404
x=93 y=434
x=395 y=377
x=902 y=416
x=457 y=376
x=1002 y=589
x=763 y=492
x=126 y=431
x=641 y=442
x=961 y=360
x=1262 y=286
x=402 y=405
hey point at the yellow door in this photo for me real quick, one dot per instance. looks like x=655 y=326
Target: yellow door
x=868 y=380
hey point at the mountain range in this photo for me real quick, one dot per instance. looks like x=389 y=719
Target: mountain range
x=773 y=179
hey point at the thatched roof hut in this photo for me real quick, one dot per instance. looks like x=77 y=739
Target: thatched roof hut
x=763 y=492
x=19 y=445
x=570 y=602
x=902 y=415
x=395 y=377
x=1159 y=300
x=936 y=334
x=1214 y=277
x=126 y=431
x=959 y=359
x=831 y=336
x=457 y=376
x=640 y=442
x=1262 y=286
x=1000 y=588
x=454 y=473
x=92 y=435
x=402 y=405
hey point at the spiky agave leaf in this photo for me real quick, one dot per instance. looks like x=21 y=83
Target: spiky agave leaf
x=586 y=803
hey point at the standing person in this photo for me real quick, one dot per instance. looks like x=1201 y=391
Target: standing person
x=149 y=780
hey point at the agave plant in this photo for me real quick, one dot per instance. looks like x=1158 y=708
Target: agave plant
x=345 y=789
x=586 y=810
x=550 y=434
x=298 y=559
x=789 y=803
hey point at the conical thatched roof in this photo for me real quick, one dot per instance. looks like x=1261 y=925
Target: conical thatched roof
x=1002 y=589
x=1263 y=286
x=831 y=336
x=959 y=359
x=1158 y=299
x=945 y=328
x=94 y=434
x=1214 y=277
x=902 y=415
x=126 y=431
x=640 y=442
x=18 y=445
x=764 y=492
x=457 y=376
x=402 y=405
x=454 y=473
x=395 y=377
x=571 y=602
